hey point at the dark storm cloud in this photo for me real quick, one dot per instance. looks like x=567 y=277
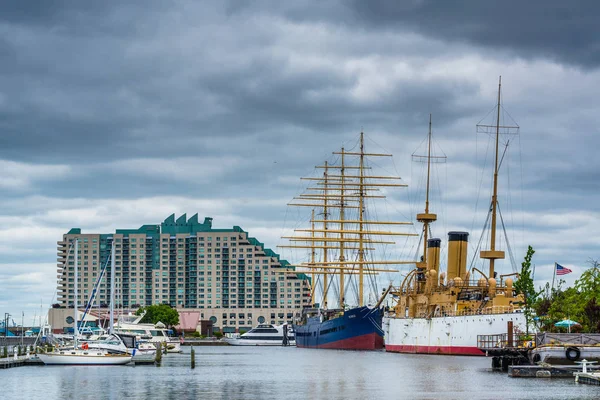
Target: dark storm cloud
x=108 y=97
x=555 y=29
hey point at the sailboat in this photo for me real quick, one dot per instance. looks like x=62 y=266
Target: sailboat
x=344 y=233
x=444 y=313
x=81 y=353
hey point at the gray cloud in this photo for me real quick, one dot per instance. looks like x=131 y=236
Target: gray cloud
x=565 y=32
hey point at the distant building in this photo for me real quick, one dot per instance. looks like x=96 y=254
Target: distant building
x=229 y=277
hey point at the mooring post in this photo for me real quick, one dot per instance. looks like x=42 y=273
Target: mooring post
x=158 y=357
x=193 y=356
x=509 y=341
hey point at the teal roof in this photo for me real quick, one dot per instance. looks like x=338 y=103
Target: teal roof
x=192 y=226
x=149 y=230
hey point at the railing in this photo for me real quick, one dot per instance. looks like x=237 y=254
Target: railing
x=503 y=341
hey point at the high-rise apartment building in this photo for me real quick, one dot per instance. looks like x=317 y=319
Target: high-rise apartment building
x=229 y=277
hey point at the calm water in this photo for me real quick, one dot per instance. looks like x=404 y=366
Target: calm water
x=285 y=374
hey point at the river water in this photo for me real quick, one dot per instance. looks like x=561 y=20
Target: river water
x=285 y=374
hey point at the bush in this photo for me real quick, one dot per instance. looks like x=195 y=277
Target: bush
x=218 y=335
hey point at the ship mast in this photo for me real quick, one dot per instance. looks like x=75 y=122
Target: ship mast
x=313 y=254
x=426 y=218
x=345 y=191
x=494 y=254
x=361 y=210
x=342 y=258
x=325 y=217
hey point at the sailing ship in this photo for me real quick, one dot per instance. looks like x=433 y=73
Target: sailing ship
x=342 y=240
x=443 y=313
x=82 y=354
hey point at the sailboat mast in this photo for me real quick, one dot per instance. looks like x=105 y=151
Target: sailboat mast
x=361 y=250
x=342 y=258
x=325 y=217
x=111 y=317
x=75 y=294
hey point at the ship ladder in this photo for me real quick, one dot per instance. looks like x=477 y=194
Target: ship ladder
x=482 y=306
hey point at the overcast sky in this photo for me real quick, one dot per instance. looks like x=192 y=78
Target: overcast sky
x=113 y=116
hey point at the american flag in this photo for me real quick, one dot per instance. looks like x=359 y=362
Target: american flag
x=560 y=270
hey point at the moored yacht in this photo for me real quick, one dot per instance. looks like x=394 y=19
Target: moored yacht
x=81 y=354
x=84 y=356
x=153 y=333
x=124 y=344
x=265 y=335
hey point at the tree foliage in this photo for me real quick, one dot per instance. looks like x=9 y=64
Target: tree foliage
x=159 y=313
x=580 y=303
x=524 y=285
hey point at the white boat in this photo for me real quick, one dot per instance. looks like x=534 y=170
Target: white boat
x=452 y=335
x=566 y=348
x=264 y=335
x=153 y=333
x=124 y=344
x=82 y=355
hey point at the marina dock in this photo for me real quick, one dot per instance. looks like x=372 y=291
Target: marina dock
x=588 y=378
x=545 y=371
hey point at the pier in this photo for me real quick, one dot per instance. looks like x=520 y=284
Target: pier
x=545 y=371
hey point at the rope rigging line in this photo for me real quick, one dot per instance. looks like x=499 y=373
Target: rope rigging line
x=485 y=225
x=508 y=247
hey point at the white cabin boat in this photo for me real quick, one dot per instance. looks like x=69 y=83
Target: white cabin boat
x=125 y=344
x=265 y=335
x=153 y=333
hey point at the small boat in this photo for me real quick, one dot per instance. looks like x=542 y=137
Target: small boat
x=80 y=353
x=84 y=357
x=153 y=333
x=566 y=348
x=264 y=335
x=124 y=344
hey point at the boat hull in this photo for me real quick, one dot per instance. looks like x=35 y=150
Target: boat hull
x=357 y=329
x=68 y=359
x=241 y=342
x=446 y=335
x=557 y=354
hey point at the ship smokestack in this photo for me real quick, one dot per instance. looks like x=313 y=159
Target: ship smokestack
x=433 y=254
x=457 y=255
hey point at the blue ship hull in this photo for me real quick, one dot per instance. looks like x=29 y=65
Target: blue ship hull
x=356 y=329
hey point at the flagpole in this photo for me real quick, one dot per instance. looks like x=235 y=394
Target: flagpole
x=553 y=276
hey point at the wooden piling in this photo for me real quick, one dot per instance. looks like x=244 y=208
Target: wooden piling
x=158 y=357
x=193 y=356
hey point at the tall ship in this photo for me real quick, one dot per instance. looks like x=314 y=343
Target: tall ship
x=344 y=243
x=443 y=312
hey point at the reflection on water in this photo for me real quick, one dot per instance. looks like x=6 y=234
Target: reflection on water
x=288 y=373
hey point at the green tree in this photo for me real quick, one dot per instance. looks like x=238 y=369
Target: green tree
x=567 y=304
x=589 y=282
x=159 y=313
x=524 y=285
